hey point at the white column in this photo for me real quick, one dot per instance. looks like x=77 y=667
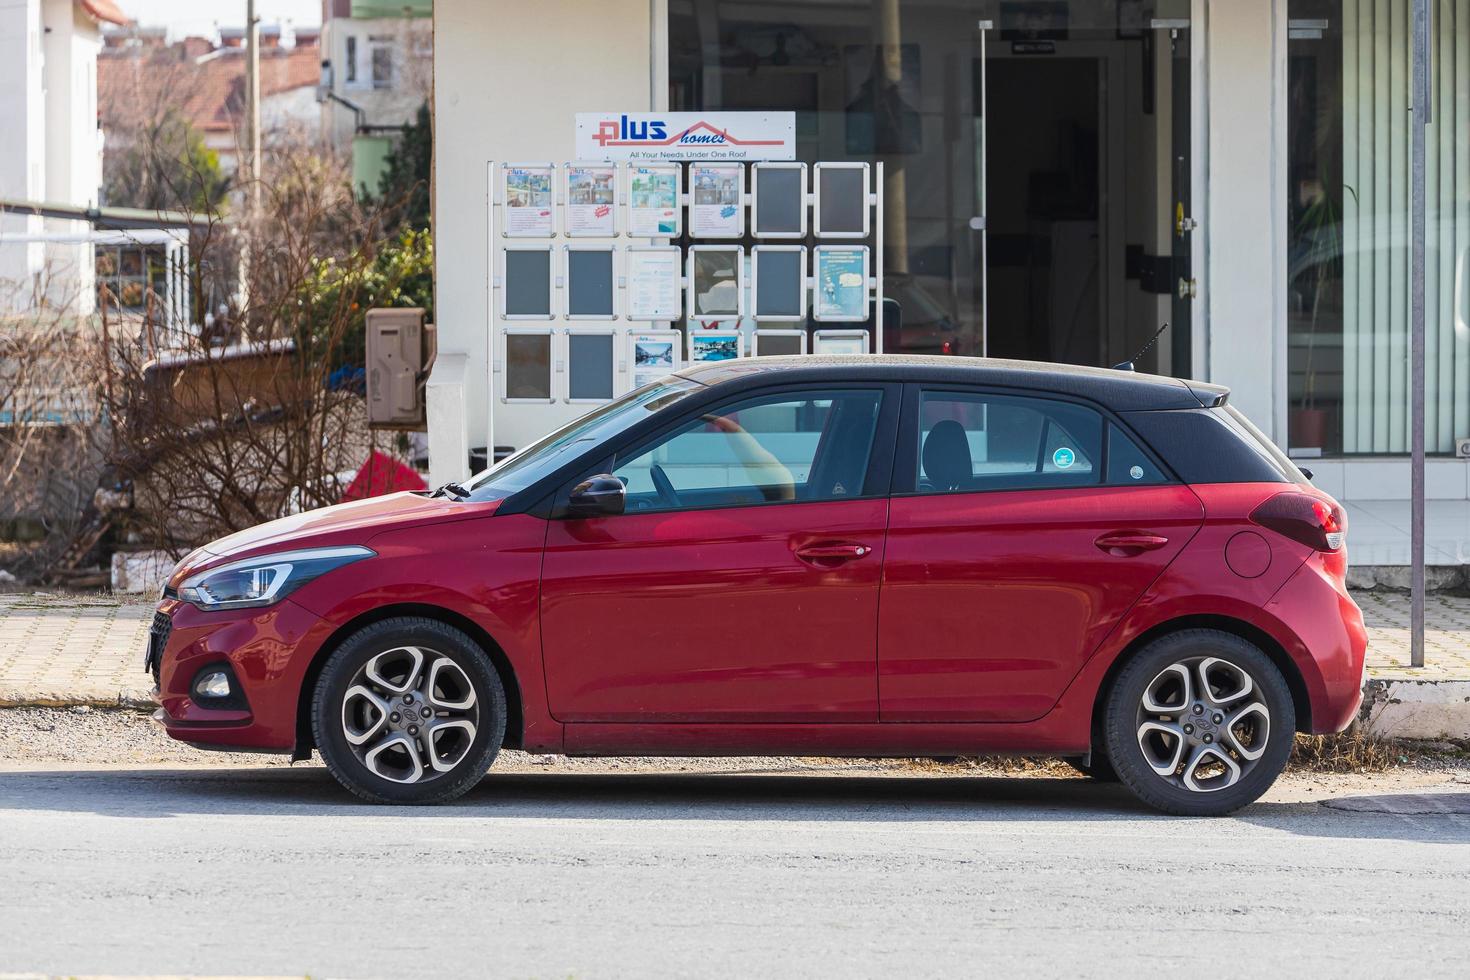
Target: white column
x=508 y=80
x=1243 y=282
x=449 y=445
x=23 y=150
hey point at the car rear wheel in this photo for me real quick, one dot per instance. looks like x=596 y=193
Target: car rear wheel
x=408 y=710
x=1199 y=723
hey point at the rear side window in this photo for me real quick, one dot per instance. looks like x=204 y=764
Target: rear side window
x=1214 y=445
x=970 y=442
x=1259 y=441
x=1128 y=465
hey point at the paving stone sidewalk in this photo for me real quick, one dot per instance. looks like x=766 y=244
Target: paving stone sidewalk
x=68 y=649
x=72 y=649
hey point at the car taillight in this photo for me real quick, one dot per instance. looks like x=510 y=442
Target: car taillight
x=1305 y=518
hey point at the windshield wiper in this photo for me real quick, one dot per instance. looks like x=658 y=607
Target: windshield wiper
x=451 y=489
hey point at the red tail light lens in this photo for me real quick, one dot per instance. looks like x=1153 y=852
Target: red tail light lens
x=1302 y=517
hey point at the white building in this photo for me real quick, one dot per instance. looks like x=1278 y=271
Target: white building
x=51 y=150
x=1237 y=169
x=377 y=67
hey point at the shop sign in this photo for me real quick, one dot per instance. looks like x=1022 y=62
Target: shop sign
x=686 y=135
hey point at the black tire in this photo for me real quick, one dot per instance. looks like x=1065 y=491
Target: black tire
x=342 y=669
x=1124 y=713
x=1099 y=769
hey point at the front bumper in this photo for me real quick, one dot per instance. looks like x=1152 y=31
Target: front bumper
x=268 y=651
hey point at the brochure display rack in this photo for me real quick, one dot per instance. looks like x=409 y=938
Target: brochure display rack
x=605 y=276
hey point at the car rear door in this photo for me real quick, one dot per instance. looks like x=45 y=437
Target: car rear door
x=741 y=583
x=1021 y=528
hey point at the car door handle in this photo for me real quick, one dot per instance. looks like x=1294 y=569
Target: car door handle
x=827 y=555
x=1125 y=544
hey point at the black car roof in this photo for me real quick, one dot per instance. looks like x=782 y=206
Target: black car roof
x=1120 y=391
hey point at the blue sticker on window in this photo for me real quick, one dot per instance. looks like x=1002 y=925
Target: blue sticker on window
x=1064 y=458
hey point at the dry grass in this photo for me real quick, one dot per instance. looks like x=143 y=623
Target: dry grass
x=988 y=765
x=1354 y=750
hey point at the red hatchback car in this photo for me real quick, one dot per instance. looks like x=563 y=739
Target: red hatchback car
x=865 y=556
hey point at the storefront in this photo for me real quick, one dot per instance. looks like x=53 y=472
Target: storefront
x=1062 y=181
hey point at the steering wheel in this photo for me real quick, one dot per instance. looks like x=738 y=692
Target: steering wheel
x=666 y=491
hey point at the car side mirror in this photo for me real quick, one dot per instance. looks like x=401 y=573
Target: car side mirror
x=602 y=495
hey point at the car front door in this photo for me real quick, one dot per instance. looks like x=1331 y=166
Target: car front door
x=1021 y=530
x=741 y=582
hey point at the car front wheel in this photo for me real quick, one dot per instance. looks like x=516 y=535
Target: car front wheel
x=1199 y=723
x=408 y=710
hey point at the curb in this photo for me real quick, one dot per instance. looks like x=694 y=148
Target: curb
x=1406 y=707
x=129 y=700
x=1398 y=578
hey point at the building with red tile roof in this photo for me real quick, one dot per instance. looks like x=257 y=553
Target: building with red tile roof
x=205 y=82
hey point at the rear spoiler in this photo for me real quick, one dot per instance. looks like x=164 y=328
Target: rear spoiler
x=1209 y=395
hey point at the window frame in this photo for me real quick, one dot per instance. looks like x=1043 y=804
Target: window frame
x=907 y=444
x=877 y=480
x=349 y=59
x=501 y=363
x=567 y=333
x=385 y=46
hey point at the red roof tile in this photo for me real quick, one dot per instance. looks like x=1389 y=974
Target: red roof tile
x=104 y=10
x=209 y=91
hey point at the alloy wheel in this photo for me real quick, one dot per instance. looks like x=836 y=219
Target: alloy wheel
x=1202 y=724
x=410 y=714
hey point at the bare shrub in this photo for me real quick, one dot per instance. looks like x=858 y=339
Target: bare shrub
x=223 y=432
x=49 y=464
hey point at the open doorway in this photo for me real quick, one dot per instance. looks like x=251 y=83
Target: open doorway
x=1086 y=142
x=1045 y=208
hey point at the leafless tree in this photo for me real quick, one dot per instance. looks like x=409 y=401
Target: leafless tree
x=212 y=438
x=49 y=466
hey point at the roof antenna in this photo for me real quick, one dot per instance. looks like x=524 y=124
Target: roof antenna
x=1128 y=364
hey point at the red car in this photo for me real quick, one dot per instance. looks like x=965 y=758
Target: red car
x=863 y=556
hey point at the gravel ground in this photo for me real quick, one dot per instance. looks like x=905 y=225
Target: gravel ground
x=83 y=737
x=94 y=736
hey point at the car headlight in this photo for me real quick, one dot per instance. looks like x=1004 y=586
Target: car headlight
x=265 y=579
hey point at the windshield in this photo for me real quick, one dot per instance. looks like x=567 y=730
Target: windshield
x=525 y=467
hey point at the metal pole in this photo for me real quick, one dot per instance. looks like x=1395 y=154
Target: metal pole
x=491 y=347
x=878 y=245
x=250 y=165
x=1419 y=119
x=252 y=101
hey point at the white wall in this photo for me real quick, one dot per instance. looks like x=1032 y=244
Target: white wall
x=294 y=109
x=412 y=73
x=22 y=150
x=1242 y=283
x=72 y=163
x=508 y=79
x=49 y=146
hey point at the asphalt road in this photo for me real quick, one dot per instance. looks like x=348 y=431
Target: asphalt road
x=276 y=871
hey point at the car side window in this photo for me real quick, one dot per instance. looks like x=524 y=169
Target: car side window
x=779 y=448
x=972 y=442
x=1129 y=465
